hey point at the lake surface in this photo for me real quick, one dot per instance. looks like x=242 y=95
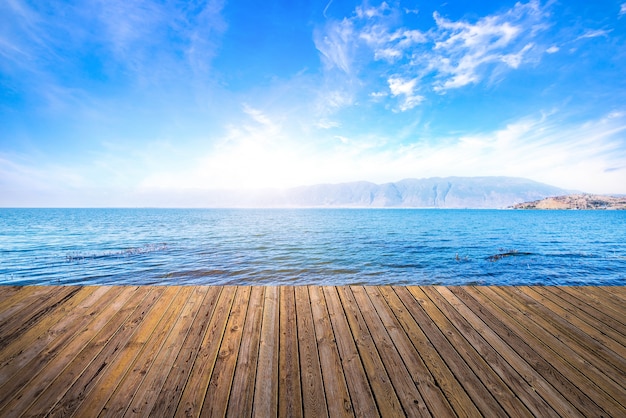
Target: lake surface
x=311 y=246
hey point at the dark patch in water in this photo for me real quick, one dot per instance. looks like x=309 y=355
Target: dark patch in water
x=502 y=255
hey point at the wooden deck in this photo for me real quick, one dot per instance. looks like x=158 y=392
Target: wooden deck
x=312 y=351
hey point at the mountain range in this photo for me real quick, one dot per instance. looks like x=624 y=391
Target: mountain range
x=436 y=192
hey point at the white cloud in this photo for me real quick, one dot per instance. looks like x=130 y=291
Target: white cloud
x=327 y=124
x=406 y=88
x=622 y=10
x=370 y=12
x=465 y=51
x=594 y=34
x=335 y=44
x=452 y=54
x=388 y=54
x=553 y=49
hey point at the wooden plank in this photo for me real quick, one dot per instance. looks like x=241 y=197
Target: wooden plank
x=114 y=351
x=7 y=292
x=97 y=332
x=434 y=398
x=118 y=402
x=147 y=394
x=498 y=322
x=22 y=350
x=434 y=363
x=410 y=398
x=473 y=385
x=335 y=387
x=589 y=297
x=95 y=401
x=363 y=402
x=266 y=388
x=589 y=310
x=594 y=331
x=167 y=400
x=17 y=370
x=583 y=375
x=609 y=363
x=609 y=296
x=90 y=375
x=240 y=403
x=190 y=404
x=289 y=392
x=313 y=396
x=524 y=380
x=382 y=388
x=15 y=298
x=616 y=291
x=216 y=398
x=565 y=302
x=21 y=321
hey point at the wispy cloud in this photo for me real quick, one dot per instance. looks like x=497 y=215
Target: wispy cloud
x=594 y=33
x=451 y=55
x=538 y=147
x=622 y=10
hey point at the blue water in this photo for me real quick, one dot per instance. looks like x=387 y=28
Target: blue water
x=310 y=246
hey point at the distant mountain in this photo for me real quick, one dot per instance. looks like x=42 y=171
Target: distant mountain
x=437 y=192
x=576 y=201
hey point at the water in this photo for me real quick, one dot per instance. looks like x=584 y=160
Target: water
x=312 y=246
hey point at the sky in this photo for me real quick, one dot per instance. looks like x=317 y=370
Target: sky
x=102 y=102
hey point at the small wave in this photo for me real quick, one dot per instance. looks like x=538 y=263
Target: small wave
x=128 y=252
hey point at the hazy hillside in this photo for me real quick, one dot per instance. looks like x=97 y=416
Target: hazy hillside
x=449 y=192
x=576 y=201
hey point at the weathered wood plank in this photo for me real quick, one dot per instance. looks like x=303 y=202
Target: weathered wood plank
x=363 y=404
x=247 y=361
x=8 y=293
x=31 y=343
x=195 y=390
x=593 y=330
x=410 y=398
x=606 y=361
x=18 y=399
x=588 y=296
x=518 y=340
x=382 y=388
x=60 y=379
x=315 y=351
x=118 y=402
x=37 y=309
x=583 y=375
x=335 y=387
x=528 y=382
x=266 y=387
x=588 y=306
x=168 y=398
x=475 y=351
x=216 y=398
x=444 y=379
x=313 y=397
x=99 y=366
x=434 y=398
x=147 y=394
x=25 y=298
x=478 y=392
x=95 y=401
x=289 y=389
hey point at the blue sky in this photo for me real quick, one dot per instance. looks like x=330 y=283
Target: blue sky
x=102 y=102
